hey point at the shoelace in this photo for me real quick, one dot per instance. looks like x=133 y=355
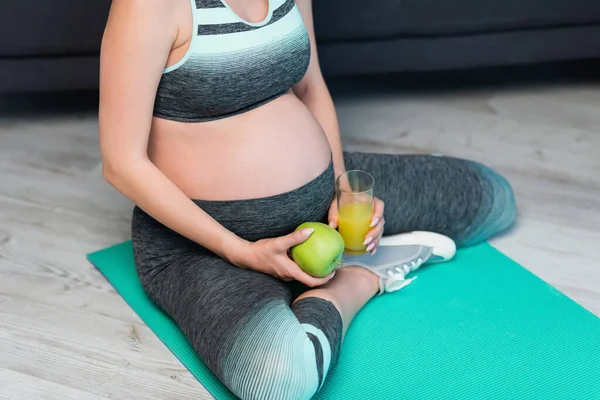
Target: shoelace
x=396 y=279
x=406 y=268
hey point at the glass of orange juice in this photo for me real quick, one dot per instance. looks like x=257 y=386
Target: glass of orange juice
x=354 y=190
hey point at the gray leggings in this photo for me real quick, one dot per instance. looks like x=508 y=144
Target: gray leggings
x=242 y=323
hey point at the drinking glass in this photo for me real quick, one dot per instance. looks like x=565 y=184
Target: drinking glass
x=354 y=190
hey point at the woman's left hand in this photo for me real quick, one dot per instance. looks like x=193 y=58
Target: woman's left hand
x=377 y=222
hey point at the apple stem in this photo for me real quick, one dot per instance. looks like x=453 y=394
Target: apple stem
x=340 y=264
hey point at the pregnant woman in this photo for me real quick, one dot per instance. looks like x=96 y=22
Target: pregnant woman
x=216 y=122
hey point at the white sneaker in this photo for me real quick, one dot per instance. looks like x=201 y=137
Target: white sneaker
x=399 y=255
x=443 y=248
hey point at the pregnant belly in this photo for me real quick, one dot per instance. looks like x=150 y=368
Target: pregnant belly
x=267 y=151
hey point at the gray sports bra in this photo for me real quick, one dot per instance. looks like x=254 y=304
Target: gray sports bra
x=232 y=65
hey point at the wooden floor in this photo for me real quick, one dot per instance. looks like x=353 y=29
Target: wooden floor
x=65 y=334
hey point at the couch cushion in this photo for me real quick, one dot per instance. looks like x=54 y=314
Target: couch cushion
x=53 y=27
x=358 y=19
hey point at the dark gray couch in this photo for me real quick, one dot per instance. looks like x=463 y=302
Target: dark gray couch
x=52 y=45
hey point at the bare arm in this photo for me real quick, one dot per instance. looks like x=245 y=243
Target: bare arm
x=312 y=91
x=137 y=41
x=136 y=44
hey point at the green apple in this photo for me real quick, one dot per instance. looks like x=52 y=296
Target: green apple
x=321 y=253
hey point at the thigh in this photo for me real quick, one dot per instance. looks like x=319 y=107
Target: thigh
x=459 y=198
x=212 y=301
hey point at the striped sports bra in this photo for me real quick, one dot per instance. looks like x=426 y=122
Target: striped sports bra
x=232 y=65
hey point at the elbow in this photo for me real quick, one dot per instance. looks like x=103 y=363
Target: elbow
x=109 y=173
x=119 y=172
x=114 y=173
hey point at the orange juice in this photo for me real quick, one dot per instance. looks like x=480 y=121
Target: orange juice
x=354 y=222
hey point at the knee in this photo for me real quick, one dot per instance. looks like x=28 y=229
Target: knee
x=498 y=210
x=272 y=359
x=278 y=375
x=504 y=205
x=292 y=380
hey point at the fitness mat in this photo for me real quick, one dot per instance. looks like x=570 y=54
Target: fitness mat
x=477 y=327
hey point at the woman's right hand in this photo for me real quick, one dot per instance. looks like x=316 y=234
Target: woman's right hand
x=270 y=256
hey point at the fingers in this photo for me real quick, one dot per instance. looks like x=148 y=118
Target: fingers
x=333 y=215
x=333 y=222
x=307 y=279
x=295 y=238
x=377 y=223
x=374 y=236
x=372 y=248
x=378 y=207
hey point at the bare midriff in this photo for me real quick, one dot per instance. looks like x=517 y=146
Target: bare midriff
x=272 y=149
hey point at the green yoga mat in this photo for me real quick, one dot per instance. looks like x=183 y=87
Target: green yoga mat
x=478 y=327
